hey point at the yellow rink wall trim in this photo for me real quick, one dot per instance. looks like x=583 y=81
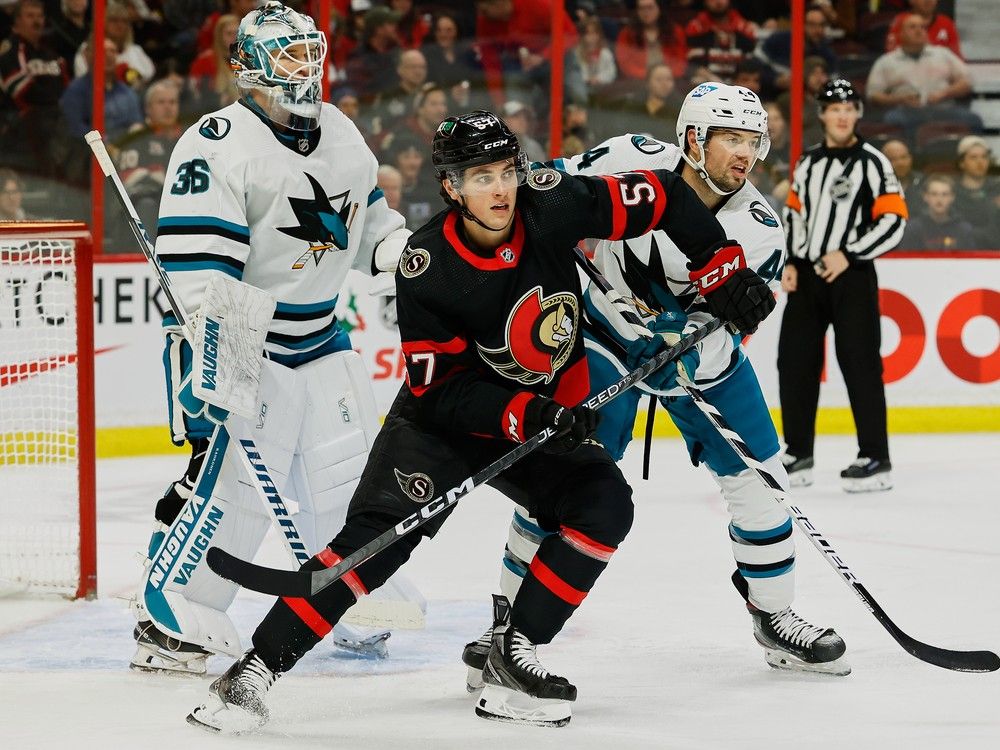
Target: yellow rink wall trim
x=141 y=441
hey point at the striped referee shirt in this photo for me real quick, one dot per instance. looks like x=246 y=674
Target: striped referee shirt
x=844 y=199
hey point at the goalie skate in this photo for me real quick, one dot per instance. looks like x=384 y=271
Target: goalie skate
x=236 y=699
x=474 y=654
x=157 y=652
x=518 y=688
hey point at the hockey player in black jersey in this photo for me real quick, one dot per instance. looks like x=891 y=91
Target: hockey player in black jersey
x=489 y=315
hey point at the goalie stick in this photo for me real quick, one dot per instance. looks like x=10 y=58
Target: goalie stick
x=305 y=583
x=959 y=661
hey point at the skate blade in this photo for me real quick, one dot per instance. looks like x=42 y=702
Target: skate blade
x=783 y=660
x=372 y=647
x=877 y=483
x=151 y=661
x=474 y=680
x=803 y=478
x=498 y=703
x=221 y=718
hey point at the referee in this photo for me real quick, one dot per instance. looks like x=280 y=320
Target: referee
x=845 y=208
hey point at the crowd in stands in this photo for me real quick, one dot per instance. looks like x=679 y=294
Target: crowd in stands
x=397 y=67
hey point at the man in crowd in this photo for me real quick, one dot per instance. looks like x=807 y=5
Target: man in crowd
x=718 y=39
x=910 y=179
x=977 y=194
x=941 y=29
x=938 y=228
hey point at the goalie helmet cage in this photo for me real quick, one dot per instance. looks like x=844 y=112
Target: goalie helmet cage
x=48 y=524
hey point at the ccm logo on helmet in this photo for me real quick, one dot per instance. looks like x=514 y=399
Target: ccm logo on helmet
x=496 y=144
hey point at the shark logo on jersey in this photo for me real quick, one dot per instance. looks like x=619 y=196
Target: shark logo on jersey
x=320 y=224
x=539 y=336
x=761 y=215
x=648 y=146
x=215 y=128
x=418 y=487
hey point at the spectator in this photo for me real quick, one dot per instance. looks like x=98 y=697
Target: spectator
x=576 y=135
x=777 y=163
x=513 y=38
x=411 y=28
x=211 y=79
x=68 y=29
x=752 y=73
x=938 y=228
x=941 y=30
x=921 y=81
x=776 y=50
x=451 y=60
x=390 y=182
x=650 y=38
x=122 y=111
x=366 y=68
x=11 y=192
x=131 y=64
x=655 y=112
x=718 y=38
x=238 y=8
x=978 y=194
x=32 y=77
x=520 y=120
x=911 y=180
x=421 y=198
x=143 y=154
x=596 y=61
x=393 y=104
x=342 y=42
x=430 y=107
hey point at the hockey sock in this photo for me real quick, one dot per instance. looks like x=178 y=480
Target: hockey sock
x=559 y=578
x=295 y=625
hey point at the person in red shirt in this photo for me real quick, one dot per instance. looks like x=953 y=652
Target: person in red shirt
x=206 y=33
x=941 y=30
x=514 y=38
x=718 y=39
x=412 y=26
x=650 y=38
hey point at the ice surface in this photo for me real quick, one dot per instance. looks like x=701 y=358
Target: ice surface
x=662 y=651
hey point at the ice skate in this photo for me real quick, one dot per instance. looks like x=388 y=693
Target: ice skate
x=360 y=641
x=867 y=475
x=518 y=688
x=158 y=652
x=799 y=470
x=792 y=643
x=236 y=699
x=474 y=654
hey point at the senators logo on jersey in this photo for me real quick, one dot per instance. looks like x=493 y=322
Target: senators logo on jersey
x=417 y=486
x=539 y=335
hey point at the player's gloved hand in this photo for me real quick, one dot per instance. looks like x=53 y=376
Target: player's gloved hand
x=541 y=413
x=667 y=330
x=195 y=407
x=734 y=293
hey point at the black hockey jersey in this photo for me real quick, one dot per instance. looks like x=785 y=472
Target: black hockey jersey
x=484 y=332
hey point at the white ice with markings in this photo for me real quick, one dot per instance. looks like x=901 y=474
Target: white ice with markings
x=662 y=650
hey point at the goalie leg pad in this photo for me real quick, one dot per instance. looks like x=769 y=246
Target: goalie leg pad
x=761 y=535
x=178 y=592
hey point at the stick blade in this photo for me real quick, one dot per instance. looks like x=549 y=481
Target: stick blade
x=958 y=661
x=295 y=583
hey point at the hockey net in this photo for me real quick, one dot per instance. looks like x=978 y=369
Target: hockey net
x=47 y=493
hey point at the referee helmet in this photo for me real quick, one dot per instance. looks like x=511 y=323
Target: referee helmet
x=839 y=91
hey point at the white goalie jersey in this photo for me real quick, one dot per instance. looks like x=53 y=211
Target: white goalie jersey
x=288 y=215
x=651 y=268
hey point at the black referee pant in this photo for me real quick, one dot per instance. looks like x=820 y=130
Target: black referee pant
x=850 y=303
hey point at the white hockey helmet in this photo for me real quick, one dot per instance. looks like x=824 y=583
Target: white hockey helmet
x=279 y=53
x=719 y=105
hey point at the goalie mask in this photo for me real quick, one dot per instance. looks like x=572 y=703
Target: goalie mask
x=278 y=60
x=719 y=105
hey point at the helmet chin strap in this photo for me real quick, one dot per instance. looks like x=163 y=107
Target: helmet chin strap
x=463 y=209
x=699 y=167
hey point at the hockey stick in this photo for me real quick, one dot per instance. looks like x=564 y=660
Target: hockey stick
x=960 y=661
x=305 y=583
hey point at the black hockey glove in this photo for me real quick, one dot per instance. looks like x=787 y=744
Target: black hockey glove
x=541 y=413
x=734 y=293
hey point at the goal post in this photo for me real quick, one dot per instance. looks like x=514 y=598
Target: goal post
x=48 y=523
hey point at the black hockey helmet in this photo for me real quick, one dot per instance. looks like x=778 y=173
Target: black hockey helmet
x=837 y=91
x=475 y=138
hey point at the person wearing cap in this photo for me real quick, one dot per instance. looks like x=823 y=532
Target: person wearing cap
x=519 y=119
x=977 y=194
x=844 y=209
x=367 y=69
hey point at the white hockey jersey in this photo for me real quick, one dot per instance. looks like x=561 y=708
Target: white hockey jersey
x=288 y=215
x=647 y=266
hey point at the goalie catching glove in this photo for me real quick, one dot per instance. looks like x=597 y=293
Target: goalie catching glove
x=667 y=331
x=540 y=413
x=734 y=293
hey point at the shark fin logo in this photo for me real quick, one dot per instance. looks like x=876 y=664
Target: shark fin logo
x=540 y=334
x=320 y=224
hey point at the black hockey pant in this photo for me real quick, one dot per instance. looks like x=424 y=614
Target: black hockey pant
x=581 y=495
x=850 y=304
